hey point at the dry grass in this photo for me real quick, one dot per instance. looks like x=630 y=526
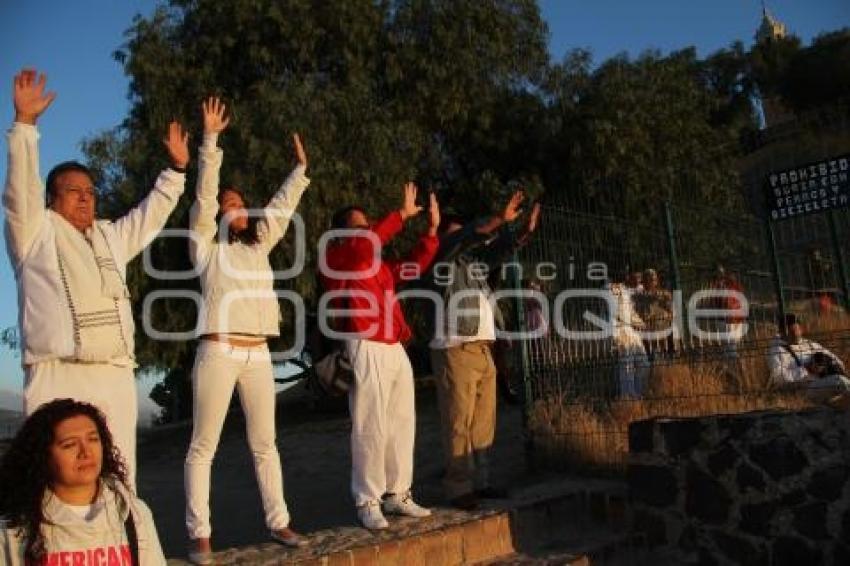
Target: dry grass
x=585 y=435
x=575 y=432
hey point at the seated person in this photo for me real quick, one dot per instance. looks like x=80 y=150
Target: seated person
x=64 y=497
x=797 y=362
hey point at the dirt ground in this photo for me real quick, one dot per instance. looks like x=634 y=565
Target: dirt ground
x=314 y=448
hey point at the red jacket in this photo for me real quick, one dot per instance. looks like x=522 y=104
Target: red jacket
x=352 y=254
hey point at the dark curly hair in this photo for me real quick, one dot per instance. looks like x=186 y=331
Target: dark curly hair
x=250 y=235
x=25 y=470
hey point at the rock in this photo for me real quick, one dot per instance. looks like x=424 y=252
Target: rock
x=681 y=436
x=652 y=526
x=722 y=459
x=653 y=485
x=641 y=436
x=793 y=551
x=749 y=477
x=739 y=550
x=705 y=497
x=779 y=458
x=828 y=483
x=793 y=498
x=810 y=520
x=756 y=518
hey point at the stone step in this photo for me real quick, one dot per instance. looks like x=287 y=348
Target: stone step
x=560 y=510
x=601 y=547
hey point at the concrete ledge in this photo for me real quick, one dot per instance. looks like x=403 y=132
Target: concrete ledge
x=561 y=510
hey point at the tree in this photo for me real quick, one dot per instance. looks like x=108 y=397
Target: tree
x=381 y=92
x=819 y=74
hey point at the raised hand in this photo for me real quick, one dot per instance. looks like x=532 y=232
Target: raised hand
x=300 y=154
x=214 y=120
x=409 y=208
x=512 y=209
x=29 y=96
x=433 y=215
x=177 y=143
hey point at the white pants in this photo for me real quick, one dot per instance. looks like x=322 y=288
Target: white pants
x=383 y=420
x=110 y=388
x=218 y=368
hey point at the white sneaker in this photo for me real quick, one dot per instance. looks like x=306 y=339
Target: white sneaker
x=371 y=517
x=403 y=504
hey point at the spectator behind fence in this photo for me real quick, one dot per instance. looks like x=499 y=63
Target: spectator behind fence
x=730 y=327
x=654 y=305
x=65 y=498
x=634 y=282
x=632 y=362
x=797 y=362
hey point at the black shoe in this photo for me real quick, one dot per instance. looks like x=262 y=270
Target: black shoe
x=492 y=493
x=466 y=502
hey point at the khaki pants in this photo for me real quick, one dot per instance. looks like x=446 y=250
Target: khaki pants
x=466 y=392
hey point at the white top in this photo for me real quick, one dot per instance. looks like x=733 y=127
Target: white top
x=486 y=327
x=237 y=279
x=33 y=239
x=784 y=368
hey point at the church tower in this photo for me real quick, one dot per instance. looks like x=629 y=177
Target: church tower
x=770 y=29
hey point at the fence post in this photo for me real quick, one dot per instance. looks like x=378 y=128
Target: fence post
x=524 y=365
x=839 y=256
x=777 y=273
x=675 y=276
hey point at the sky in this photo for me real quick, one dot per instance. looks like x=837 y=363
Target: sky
x=73 y=42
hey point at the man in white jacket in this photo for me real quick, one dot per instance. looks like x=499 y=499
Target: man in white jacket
x=797 y=362
x=75 y=318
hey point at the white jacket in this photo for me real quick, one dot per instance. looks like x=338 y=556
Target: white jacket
x=237 y=279
x=784 y=368
x=44 y=315
x=102 y=539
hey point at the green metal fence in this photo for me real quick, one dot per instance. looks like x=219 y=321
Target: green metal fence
x=577 y=406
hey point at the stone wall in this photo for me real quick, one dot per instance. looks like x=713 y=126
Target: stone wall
x=754 y=488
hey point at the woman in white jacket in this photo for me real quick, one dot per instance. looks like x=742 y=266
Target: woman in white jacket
x=64 y=497
x=240 y=312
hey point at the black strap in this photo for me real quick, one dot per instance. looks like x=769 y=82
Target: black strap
x=132 y=538
x=793 y=354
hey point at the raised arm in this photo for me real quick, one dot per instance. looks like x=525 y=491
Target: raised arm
x=426 y=249
x=139 y=227
x=23 y=198
x=355 y=252
x=272 y=227
x=204 y=210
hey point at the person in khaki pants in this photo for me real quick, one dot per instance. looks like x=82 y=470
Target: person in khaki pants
x=461 y=355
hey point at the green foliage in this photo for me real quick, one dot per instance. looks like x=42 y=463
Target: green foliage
x=819 y=74
x=459 y=96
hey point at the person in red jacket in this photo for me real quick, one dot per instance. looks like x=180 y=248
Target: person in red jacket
x=381 y=400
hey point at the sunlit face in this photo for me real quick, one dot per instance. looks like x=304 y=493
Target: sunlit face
x=650 y=281
x=233 y=207
x=76 y=454
x=74 y=199
x=358 y=220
